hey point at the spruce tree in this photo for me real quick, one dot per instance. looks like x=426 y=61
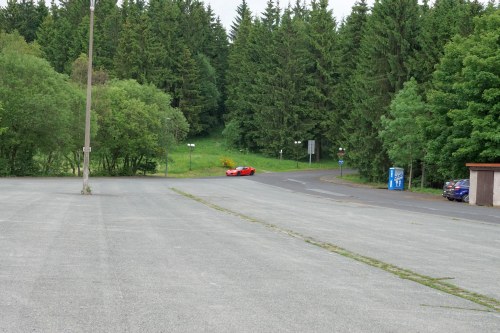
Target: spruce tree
x=351 y=32
x=324 y=73
x=24 y=17
x=387 y=47
x=465 y=101
x=283 y=114
x=165 y=48
x=188 y=93
x=240 y=77
x=107 y=25
x=130 y=59
x=440 y=23
x=242 y=13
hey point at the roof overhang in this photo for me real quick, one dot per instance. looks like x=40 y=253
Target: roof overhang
x=484 y=166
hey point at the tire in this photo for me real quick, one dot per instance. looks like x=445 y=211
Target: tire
x=251 y=173
x=465 y=198
x=238 y=174
x=451 y=199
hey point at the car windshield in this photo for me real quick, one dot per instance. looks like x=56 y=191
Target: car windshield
x=239 y=168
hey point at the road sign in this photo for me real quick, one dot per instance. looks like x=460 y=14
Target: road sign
x=311 y=145
x=341 y=162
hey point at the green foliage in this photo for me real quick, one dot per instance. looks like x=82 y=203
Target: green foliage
x=465 y=101
x=402 y=132
x=388 y=45
x=55 y=38
x=240 y=77
x=209 y=94
x=2 y=129
x=135 y=125
x=242 y=13
x=189 y=94
x=288 y=75
x=25 y=17
x=208 y=155
x=37 y=111
x=14 y=42
x=350 y=36
x=439 y=24
x=280 y=102
x=323 y=45
x=130 y=60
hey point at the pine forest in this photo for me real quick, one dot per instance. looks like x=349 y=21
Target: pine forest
x=404 y=82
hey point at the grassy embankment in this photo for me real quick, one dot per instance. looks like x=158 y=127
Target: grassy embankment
x=208 y=155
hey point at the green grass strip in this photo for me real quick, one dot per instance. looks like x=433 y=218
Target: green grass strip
x=437 y=283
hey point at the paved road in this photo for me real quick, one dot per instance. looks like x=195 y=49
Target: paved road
x=233 y=254
x=327 y=184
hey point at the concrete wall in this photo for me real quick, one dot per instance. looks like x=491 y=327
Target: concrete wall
x=473 y=187
x=496 y=189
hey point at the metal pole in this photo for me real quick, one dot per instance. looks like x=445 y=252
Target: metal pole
x=166 y=148
x=166 y=161
x=297 y=143
x=86 y=149
x=191 y=147
x=190 y=151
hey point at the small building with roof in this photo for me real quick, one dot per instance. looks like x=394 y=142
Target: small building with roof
x=484 y=187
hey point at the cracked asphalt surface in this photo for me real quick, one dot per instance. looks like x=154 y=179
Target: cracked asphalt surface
x=137 y=256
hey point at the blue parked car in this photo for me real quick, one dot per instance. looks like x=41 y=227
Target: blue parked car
x=461 y=190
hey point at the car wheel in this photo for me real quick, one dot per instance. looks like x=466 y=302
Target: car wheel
x=238 y=174
x=251 y=173
x=451 y=199
x=465 y=198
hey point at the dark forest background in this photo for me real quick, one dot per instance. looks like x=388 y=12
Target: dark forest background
x=400 y=83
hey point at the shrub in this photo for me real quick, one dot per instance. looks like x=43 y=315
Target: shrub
x=227 y=163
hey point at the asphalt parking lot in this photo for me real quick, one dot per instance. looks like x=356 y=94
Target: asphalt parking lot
x=226 y=255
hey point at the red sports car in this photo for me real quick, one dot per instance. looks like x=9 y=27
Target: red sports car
x=241 y=171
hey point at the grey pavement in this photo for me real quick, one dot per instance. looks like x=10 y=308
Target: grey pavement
x=137 y=256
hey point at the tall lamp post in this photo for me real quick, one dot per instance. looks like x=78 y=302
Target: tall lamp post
x=297 y=143
x=341 y=154
x=86 y=148
x=191 y=147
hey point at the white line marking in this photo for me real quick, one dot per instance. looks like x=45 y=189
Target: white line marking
x=327 y=192
x=296 y=181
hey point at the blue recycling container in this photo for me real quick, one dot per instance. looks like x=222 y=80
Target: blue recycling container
x=396 y=179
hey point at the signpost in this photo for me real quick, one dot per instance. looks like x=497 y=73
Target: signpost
x=341 y=154
x=310 y=148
